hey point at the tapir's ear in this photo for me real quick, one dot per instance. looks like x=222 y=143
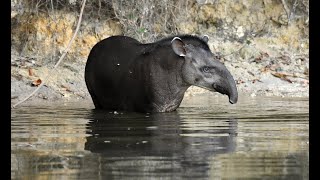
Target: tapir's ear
x=178 y=46
x=205 y=38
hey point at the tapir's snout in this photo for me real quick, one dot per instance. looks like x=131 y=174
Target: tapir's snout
x=233 y=98
x=228 y=88
x=232 y=90
x=226 y=85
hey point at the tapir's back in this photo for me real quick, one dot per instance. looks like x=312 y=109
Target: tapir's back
x=112 y=52
x=108 y=62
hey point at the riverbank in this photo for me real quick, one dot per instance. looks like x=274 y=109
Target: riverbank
x=66 y=83
x=264 y=44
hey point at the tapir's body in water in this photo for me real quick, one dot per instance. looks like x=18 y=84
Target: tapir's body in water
x=124 y=74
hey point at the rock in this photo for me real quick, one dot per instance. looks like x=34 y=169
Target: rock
x=249 y=52
x=203 y=2
x=240 y=31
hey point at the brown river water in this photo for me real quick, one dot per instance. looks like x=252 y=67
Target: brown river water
x=206 y=138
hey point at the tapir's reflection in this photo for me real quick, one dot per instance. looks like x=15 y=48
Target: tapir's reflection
x=162 y=141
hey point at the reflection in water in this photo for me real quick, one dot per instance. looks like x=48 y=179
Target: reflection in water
x=263 y=138
x=135 y=144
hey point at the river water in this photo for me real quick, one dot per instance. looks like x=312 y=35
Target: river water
x=206 y=138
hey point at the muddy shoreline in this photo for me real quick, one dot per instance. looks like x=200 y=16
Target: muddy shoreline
x=265 y=49
x=66 y=83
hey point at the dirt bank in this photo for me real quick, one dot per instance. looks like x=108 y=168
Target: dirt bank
x=67 y=83
x=264 y=43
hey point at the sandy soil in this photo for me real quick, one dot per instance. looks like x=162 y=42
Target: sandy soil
x=266 y=51
x=66 y=83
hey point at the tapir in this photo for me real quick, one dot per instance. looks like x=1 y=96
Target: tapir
x=123 y=74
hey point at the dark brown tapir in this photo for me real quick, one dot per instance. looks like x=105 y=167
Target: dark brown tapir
x=123 y=74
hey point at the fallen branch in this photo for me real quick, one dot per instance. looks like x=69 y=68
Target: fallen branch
x=59 y=61
x=281 y=76
x=285 y=76
x=286 y=8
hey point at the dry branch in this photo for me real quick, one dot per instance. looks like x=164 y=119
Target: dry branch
x=286 y=8
x=59 y=61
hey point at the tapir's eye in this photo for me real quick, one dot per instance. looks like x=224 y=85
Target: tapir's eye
x=206 y=69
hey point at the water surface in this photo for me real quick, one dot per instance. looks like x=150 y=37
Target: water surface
x=206 y=138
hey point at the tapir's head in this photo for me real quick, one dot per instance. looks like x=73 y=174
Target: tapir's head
x=202 y=69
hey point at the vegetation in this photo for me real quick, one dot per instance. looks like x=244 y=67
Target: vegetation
x=148 y=20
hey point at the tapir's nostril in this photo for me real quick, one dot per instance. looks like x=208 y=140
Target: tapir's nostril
x=233 y=99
